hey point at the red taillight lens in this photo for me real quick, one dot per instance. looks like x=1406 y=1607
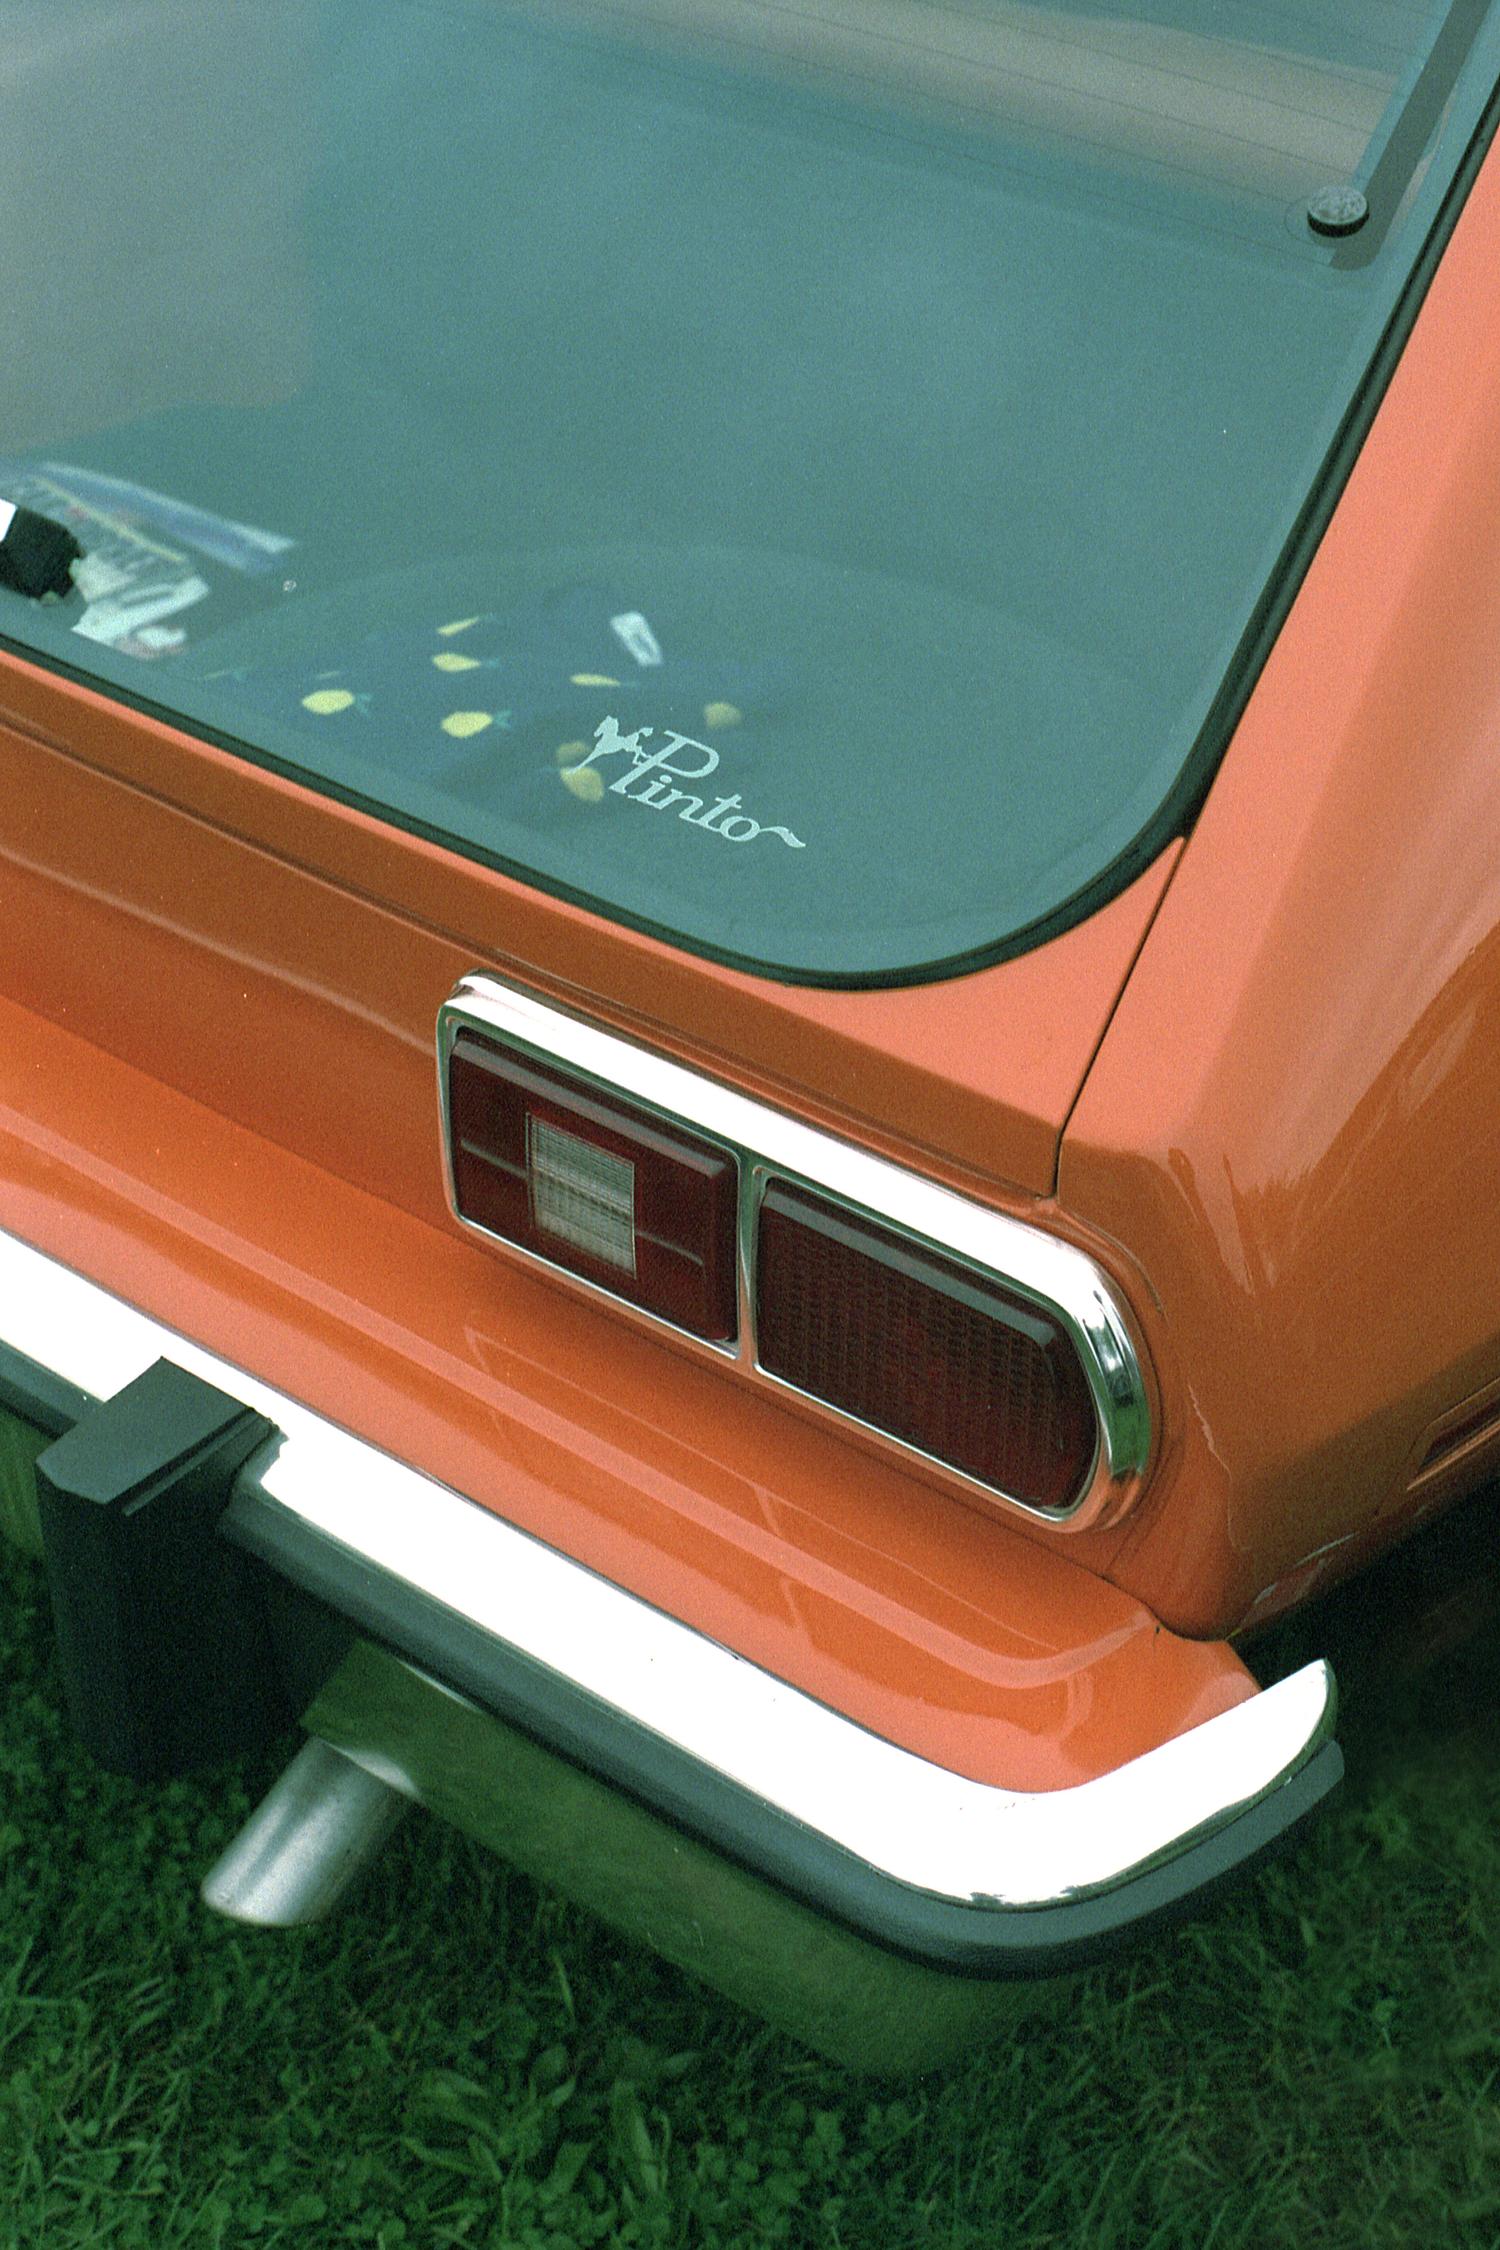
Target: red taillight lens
x=920 y=1346
x=594 y=1184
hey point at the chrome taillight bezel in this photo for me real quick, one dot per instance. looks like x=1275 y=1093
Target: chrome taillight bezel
x=767 y=1143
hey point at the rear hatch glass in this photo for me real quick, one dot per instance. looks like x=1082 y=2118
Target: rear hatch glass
x=807 y=479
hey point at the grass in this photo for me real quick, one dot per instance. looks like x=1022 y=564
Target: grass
x=461 y=2059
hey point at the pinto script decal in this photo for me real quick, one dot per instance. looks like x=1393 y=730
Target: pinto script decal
x=650 y=777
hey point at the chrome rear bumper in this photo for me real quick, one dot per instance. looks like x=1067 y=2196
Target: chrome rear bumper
x=953 y=1873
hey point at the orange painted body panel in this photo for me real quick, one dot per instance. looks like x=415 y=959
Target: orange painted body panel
x=1293 y=1121
x=977 y=1074
x=933 y=1625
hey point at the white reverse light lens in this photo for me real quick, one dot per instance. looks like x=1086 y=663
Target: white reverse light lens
x=582 y=1194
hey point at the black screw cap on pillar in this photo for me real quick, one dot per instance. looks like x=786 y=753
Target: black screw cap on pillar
x=164 y=1651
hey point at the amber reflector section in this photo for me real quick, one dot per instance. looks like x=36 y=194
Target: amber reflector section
x=921 y=1346
x=594 y=1184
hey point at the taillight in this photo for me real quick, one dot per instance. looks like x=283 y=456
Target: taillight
x=985 y=1344
x=595 y=1185
x=922 y=1347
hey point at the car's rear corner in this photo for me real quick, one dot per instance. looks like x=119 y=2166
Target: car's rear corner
x=873 y=1760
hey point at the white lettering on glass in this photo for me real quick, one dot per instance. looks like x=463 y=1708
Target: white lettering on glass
x=653 y=778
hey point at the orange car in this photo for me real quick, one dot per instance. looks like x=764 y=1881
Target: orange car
x=752 y=898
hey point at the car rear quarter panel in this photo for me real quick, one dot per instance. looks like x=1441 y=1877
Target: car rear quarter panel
x=1292 y=1123
x=939 y=1627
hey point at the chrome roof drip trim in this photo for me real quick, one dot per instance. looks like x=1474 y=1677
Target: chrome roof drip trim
x=1052 y=1274
x=898 y=1813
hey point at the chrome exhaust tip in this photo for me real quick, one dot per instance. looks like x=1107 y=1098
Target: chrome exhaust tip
x=311 y=1837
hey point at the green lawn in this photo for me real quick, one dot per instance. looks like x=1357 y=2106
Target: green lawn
x=461 y=2059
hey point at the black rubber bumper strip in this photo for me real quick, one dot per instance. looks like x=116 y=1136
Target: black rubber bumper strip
x=38 y=1396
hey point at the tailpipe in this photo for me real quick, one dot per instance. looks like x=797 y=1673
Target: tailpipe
x=308 y=1841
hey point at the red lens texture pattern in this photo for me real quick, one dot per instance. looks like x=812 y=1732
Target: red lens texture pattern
x=920 y=1346
x=595 y=1185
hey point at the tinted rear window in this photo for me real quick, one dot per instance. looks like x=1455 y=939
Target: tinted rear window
x=796 y=477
